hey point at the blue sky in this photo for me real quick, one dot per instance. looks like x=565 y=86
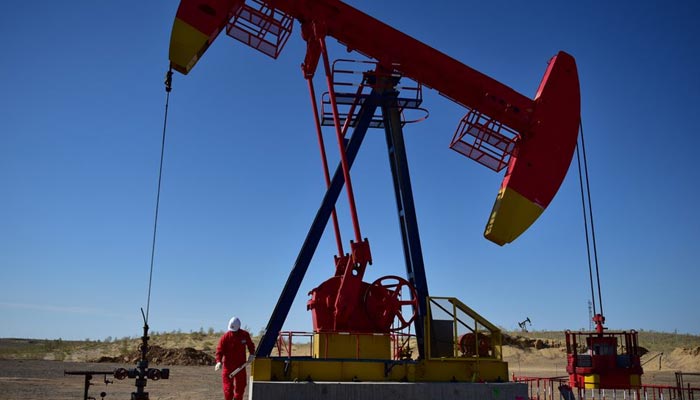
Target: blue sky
x=81 y=111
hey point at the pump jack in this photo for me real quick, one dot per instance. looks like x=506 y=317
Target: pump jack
x=523 y=324
x=534 y=138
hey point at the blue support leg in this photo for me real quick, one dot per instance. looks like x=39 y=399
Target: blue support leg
x=408 y=222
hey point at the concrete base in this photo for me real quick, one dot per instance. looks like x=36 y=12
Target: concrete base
x=386 y=390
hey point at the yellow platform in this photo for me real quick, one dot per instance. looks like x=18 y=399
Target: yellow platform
x=461 y=346
x=310 y=369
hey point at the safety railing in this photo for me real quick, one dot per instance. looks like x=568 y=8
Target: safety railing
x=549 y=389
x=353 y=83
x=301 y=344
x=456 y=332
x=680 y=384
x=285 y=344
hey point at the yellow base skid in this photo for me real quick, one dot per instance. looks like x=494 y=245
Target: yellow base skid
x=459 y=370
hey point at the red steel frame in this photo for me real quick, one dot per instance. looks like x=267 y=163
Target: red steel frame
x=416 y=60
x=339 y=137
x=324 y=161
x=602 y=358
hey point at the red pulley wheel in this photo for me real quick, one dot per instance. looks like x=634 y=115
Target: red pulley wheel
x=384 y=302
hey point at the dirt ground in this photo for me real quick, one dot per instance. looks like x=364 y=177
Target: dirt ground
x=37 y=379
x=40 y=379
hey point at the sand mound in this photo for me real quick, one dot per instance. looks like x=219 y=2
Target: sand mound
x=527 y=343
x=159 y=355
x=682 y=359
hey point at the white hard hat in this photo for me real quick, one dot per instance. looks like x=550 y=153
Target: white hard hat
x=234 y=324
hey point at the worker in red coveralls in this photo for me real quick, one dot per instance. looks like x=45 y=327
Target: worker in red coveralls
x=230 y=352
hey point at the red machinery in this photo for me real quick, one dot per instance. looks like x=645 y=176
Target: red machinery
x=534 y=138
x=370 y=308
x=603 y=360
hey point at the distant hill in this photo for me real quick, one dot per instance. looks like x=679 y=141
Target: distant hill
x=205 y=342
x=650 y=340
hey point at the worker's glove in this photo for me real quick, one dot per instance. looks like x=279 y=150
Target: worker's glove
x=218 y=366
x=251 y=358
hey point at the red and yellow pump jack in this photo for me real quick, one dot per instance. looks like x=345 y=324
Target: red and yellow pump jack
x=355 y=334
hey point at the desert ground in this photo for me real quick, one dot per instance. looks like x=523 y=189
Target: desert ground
x=39 y=375
x=39 y=379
